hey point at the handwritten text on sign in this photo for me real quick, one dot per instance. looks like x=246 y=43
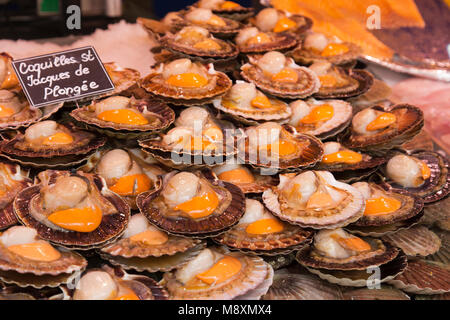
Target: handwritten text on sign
x=62 y=76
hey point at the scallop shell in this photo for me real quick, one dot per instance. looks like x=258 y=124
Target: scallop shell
x=361 y=278
x=309 y=84
x=422 y=141
x=278 y=262
x=38 y=282
x=128 y=78
x=290 y=239
x=384 y=293
x=379 y=254
x=208 y=227
x=290 y=286
x=111 y=227
x=360 y=83
x=311 y=154
x=339 y=217
x=181 y=96
x=438 y=185
x=409 y=122
x=261 y=290
x=281 y=42
x=415 y=241
x=378 y=93
x=154 y=263
x=304 y=23
x=239 y=13
x=166 y=115
x=442 y=257
x=254 y=274
x=305 y=56
x=421 y=277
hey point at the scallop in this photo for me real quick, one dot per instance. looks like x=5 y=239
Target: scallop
x=175 y=67
x=242 y=93
x=67 y=192
x=305 y=185
x=331 y=147
x=170 y=17
x=192 y=31
x=320 y=67
x=272 y=62
x=112 y=103
x=10 y=100
x=317 y=41
x=404 y=170
x=264 y=134
x=324 y=242
x=266 y=19
x=226 y=167
x=204 y=261
x=180 y=188
x=245 y=34
x=300 y=109
x=209 y=4
x=96 y=285
x=18 y=235
x=199 y=15
x=254 y=211
x=364 y=188
x=178 y=135
x=362 y=119
x=192 y=117
x=40 y=129
x=138 y=223
x=114 y=164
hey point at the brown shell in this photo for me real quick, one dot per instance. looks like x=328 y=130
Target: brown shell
x=289 y=239
x=422 y=141
x=384 y=293
x=291 y=286
x=438 y=185
x=37 y=282
x=305 y=56
x=161 y=111
x=360 y=82
x=421 y=277
x=210 y=226
x=311 y=154
x=380 y=253
x=111 y=227
x=438 y=214
x=250 y=277
x=128 y=78
x=7 y=217
x=442 y=257
x=410 y=121
x=182 y=96
x=410 y=207
x=379 y=92
x=351 y=172
x=415 y=241
x=362 y=278
x=69 y=262
x=239 y=13
x=281 y=42
x=309 y=84
x=161 y=263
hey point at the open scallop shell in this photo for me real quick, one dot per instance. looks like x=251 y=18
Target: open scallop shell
x=421 y=277
x=111 y=227
x=210 y=226
x=350 y=211
x=360 y=82
x=122 y=78
x=304 y=23
x=254 y=274
x=291 y=286
x=378 y=93
x=38 y=282
x=312 y=152
x=363 y=278
x=238 y=13
x=281 y=42
x=290 y=239
x=422 y=141
x=438 y=185
x=161 y=111
x=442 y=257
x=380 y=253
x=415 y=241
x=384 y=293
x=305 y=56
x=409 y=122
x=309 y=84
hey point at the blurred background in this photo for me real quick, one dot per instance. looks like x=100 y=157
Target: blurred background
x=36 y=19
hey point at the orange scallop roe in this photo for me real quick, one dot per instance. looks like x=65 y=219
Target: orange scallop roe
x=344 y=156
x=208 y=44
x=216 y=21
x=132 y=185
x=187 y=80
x=150 y=237
x=6 y=112
x=425 y=170
x=77 y=219
x=284 y=24
x=214 y=133
x=282 y=148
x=260 y=38
x=328 y=80
x=200 y=206
x=123 y=116
x=287 y=75
x=237 y=176
x=320 y=113
x=382 y=121
x=37 y=251
x=264 y=226
x=198 y=143
x=229 y=5
x=319 y=199
x=381 y=206
x=10 y=81
x=58 y=138
x=334 y=49
x=128 y=296
x=353 y=243
x=261 y=102
x=223 y=270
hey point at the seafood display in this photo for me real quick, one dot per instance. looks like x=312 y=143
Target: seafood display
x=256 y=160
